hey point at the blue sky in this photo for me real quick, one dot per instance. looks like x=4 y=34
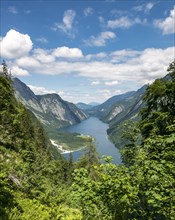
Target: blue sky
x=87 y=51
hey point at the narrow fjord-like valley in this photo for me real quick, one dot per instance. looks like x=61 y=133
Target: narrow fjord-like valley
x=37 y=181
x=87 y=110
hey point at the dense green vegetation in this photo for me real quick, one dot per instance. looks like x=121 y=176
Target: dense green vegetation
x=144 y=187
x=70 y=141
x=33 y=186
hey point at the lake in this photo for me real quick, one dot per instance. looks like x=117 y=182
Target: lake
x=97 y=129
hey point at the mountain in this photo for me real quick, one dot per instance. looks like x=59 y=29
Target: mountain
x=93 y=103
x=121 y=112
x=84 y=106
x=30 y=180
x=117 y=110
x=128 y=109
x=102 y=109
x=125 y=108
x=50 y=109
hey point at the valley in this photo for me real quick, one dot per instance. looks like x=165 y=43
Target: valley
x=98 y=130
x=55 y=113
x=87 y=110
x=39 y=176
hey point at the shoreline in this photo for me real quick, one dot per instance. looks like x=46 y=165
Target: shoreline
x=60 y=147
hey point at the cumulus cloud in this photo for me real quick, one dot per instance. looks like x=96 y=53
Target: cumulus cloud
x=94 y=83
x=67 y=52
x=97 y=56
x=67 y=23
x=123 y=55
x=15 y=45
x=146 y=8
x=107 y=83
x=101 y=39
x=111 y=83
x=167 y=25
x=106 y=93
x=16 y=71
x=123 y=22
x=28 y=62
x=43 y=56
x=40 y=90
x=140 y=67
x=88 y=11
x=105 y=68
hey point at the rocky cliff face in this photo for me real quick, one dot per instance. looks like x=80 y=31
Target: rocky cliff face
x=51 y=109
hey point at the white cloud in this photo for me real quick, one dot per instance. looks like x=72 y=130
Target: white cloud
x=101 y=39
x=123 y=22
x=15 y=44
x=16 y=71
x=111 y=83
x=40 y=90
x=139 y=67
x=97 y=56
x=43 y=56
x=88 y=11
x=123 y=55
x=42 y=40
x=167 y=25
x=105 y=68
x=12 y=10
x=67 y=24
x=67 y=52
x=146 y=8
x=107 y=83
x=94 y=83
x=28 y=62
x=105 y=93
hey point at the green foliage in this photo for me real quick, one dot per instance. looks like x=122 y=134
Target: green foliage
x=160 y=108
x=145 y=187
x=33 y=186
x=31 y=183
x=70 y=141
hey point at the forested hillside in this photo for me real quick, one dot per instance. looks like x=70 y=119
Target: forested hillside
x=33 y=186
x=53 y=112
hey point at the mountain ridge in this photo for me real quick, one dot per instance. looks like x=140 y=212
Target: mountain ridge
x=49 y=108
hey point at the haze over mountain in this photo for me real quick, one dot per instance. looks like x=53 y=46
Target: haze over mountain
x=85 y=106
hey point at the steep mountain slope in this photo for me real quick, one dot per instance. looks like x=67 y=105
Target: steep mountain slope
x=117 y=110
x=126 y=108
x=103 y=109
x=51 y=109
x=32 y=184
